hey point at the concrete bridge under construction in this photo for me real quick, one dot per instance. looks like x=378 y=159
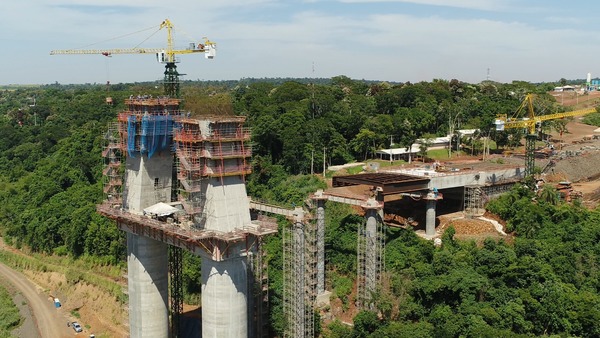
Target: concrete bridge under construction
x=468 y=187
x=175 y=183
x=377 y=195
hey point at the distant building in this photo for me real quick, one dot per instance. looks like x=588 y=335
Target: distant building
x=403 y=153
x=595 y=84
x=564 y=89
x=395 y=154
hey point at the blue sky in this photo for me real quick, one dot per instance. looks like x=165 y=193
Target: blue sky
x=388 y=40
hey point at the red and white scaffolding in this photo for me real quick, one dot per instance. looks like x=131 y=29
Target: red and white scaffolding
x=112 y=173
x=208 y=148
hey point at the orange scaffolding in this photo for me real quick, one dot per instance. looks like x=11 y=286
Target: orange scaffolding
x=112 y=174
x=212 y=147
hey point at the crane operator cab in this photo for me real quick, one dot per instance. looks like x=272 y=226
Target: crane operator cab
x=161 y=57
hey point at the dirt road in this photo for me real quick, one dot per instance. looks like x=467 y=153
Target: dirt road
x=50 y=321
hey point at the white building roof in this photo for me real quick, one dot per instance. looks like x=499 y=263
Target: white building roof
x=400 y=151
x=444 y=140
x=467 y=132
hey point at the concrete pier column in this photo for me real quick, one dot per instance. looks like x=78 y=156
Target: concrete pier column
x=430 y=218
x=371 y=250
x=432 y=197
x=147 y=272
x=225 y=297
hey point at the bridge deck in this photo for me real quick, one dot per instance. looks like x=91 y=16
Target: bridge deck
x=390 y=183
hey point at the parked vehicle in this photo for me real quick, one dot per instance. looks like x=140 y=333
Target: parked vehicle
x=76 y=327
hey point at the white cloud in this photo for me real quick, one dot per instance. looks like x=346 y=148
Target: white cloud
x=487 y=5
x=565 y=20
x=395 y=47
x=402 y=47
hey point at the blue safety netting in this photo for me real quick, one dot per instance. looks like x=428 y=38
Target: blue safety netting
x=155 y=133
x=131 y=135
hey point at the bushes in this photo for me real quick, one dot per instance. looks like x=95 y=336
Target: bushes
x=9 y=314
x=342 y=287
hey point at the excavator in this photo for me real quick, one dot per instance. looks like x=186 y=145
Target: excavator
x=166 y=56
x=529 y=123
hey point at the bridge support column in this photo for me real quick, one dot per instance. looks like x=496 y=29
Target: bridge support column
x=147 y=273
x=431 y=198
x=225 y=296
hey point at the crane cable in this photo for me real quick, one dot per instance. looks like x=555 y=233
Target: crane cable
x=186 y=35
x=125 y=35
x=146 y=39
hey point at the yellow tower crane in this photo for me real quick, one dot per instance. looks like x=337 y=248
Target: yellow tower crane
x=166 y=55
x=529 y=124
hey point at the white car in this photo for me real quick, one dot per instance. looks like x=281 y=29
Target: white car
x=76 y=327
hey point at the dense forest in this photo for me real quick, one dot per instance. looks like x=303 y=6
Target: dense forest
x=545 y=282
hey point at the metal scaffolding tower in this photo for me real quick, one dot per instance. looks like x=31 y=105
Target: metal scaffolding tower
x=112 y=173
x=258 y=284
x=476 y=196
x=300 y=282
x=370 y=254
x=310 y=235
x=176 y=288
x=320 y=242
x=474 y=200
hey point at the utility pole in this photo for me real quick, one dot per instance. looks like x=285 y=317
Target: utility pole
x=391 y=142
x=324 y=162
x=450 y=129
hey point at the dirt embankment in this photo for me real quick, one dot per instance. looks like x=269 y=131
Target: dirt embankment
x=95 y=309
x=99 y=313
x=51 y=322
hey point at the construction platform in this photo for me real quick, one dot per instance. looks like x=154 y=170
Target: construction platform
x=213 y=243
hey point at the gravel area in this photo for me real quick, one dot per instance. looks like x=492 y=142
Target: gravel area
x=28 y=328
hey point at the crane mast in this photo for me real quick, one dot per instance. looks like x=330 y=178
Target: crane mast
x=529 y=124
x=167 y=55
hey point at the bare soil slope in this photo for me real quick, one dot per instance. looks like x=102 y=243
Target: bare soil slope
x=51 y=322
x=97 y=310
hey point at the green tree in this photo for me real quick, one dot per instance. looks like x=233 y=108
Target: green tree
x=364 y=142
x=420 y=329
x=365 y=323
x=424 y=145
x=549 y=194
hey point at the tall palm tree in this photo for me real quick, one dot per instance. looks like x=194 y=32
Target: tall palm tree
x=549 y=194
